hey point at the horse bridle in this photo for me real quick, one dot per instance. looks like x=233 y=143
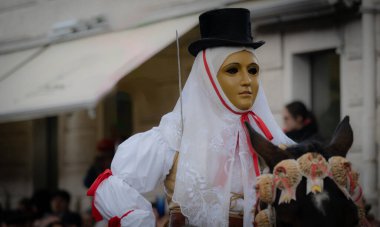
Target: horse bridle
x=287 y=175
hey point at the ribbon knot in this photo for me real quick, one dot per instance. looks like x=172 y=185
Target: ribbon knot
x=245 y=117
x=115 y=221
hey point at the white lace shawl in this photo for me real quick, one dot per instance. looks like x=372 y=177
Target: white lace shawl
x=211 y=136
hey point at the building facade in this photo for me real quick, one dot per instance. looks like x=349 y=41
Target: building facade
x=326 y=54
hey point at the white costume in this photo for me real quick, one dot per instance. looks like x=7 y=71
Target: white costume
x=214 y=154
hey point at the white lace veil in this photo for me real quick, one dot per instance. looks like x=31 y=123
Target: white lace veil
x=211 y=140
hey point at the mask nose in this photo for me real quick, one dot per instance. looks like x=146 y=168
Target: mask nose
x=246 y=80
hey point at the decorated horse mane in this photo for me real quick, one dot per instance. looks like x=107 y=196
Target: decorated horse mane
x=308 y=174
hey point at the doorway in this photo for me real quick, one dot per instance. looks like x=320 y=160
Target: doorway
x=325 y=90
x=316 y=82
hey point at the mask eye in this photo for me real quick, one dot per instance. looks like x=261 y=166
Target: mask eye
x=232 y=70
x=253 y=70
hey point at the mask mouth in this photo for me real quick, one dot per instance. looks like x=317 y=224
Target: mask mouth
x=245 y=93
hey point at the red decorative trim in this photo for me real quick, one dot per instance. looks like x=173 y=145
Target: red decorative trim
x=95 y=212
x=214 y=85
x=350 y=180
x=244 y=117
x=261 y=125
x=360 y=194
x=115 y=221
x=91 y=192
x=315 y=167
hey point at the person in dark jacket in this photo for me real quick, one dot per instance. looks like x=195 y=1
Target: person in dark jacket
x=105 y=151
x=299 y=123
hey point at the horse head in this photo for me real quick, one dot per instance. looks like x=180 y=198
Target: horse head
x=310 y=184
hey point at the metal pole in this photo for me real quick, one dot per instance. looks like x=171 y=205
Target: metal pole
x=179 y=79
x=369 y=105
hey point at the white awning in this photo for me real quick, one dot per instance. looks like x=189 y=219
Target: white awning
x=11 y=62
x=76 y=74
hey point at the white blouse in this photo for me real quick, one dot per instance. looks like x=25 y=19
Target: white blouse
x=139 y=165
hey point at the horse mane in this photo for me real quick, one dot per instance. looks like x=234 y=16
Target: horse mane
x=308 y=146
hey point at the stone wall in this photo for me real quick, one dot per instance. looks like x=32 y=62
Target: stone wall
x=24 y=157
x=279 y=73
x=16 y=175
x=78 y=134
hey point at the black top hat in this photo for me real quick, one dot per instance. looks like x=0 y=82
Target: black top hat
x=224 y=27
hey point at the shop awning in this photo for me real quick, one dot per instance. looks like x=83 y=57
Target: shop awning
x=76 y=74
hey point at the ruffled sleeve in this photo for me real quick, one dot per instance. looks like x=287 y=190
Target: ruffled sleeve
x=139 y=165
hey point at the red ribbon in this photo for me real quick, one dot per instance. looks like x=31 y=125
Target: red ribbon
x=314 y=168
x=91 y=192
x=283 y=180
x=350 y=179
x=244 y=117
x=115 y=221
x=358 y=197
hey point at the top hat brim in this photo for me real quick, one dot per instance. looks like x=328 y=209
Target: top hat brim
x=205 y=43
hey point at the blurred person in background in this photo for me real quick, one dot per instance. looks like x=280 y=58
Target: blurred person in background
x=60 y=213
x=24 y=214
x=87 y=220
x=59 y=204
x=300 y=124
x=105 y=151
x=21 y=216
x=41 y=203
